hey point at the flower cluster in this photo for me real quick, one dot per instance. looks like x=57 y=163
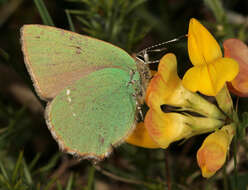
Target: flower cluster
x=209 y=75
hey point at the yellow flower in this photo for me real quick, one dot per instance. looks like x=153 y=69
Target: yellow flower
x=161 y=128
x=166 y=88
x=211 y=70
x=212 y=154
x=140 y=137
x=238 y=50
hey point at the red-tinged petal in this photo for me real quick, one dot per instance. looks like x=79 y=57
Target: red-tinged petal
x=156 y=92
x=202 y=46
x=212 y=154
x=238 y=50
x=164 y=83
x=140 y=137
x=210 y=159
x=166 y=128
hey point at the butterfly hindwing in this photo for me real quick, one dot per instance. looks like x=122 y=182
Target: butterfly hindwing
x=55 y=58
x=94 y=114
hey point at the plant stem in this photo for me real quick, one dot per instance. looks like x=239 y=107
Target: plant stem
x=167 y=170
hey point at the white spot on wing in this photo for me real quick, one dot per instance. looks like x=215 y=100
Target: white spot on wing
x=68 y=92
x=68 y=95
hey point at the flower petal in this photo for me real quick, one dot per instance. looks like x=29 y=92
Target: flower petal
x=210 y=79
x=197 y=78
x=168 y=70
x=140 y=137
x=222 y=70
x=212 y=154
x=202 y=46
x=164 y=83
x=166 y=128
x=166 y=88
x=211 y=158
x=156 y=92
x=238 y=50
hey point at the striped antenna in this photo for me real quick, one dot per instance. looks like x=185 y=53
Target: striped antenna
x=143 y=55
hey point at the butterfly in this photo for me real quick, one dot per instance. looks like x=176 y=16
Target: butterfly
x=92 y=88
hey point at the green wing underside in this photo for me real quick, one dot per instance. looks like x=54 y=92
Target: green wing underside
x=94 y=114
x=55 y=58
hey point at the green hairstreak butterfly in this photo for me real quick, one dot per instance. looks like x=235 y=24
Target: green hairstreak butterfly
x=89 y=85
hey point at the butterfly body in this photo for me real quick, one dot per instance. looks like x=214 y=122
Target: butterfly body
x=86 y=82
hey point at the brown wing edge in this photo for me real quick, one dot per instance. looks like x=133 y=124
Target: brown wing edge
x=29 y=69
x=83 y=155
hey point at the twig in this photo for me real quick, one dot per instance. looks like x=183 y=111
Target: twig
x=118 y=178
x=192 y=177
x=66 y=163
x=225 y=179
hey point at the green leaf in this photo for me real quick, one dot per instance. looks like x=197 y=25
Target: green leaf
x=69 y=183
x=34 y=161
x=27 y=173
x=72 y=28
x=217 y=8
x=52 y=162
x=134 y=5
x=4 y=172
x=45 y=16
x=243 y=125
x=17 y=166
x=91 y=178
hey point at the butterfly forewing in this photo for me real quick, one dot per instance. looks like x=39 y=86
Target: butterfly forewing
x=55 y=58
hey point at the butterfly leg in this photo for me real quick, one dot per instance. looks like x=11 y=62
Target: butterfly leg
x=140 y=111
x=131 y=81
x=139 y=108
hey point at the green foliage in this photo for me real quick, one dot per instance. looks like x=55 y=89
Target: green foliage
x=3 y=1
x=14 y=122
x=115 y=21
x=242 y=182
x=46 y=18
x=243 y=125
x=17 y=175
x=217 y=8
